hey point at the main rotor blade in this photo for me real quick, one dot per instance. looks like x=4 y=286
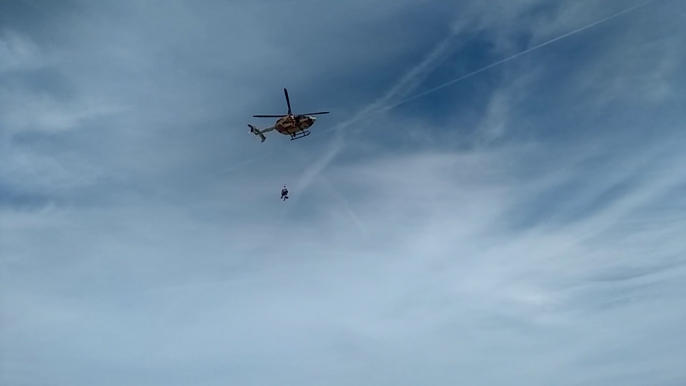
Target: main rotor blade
x=268 y=116
x=288 y=101
x=319 y=113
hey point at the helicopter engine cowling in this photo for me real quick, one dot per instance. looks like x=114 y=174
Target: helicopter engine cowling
x=304 y=122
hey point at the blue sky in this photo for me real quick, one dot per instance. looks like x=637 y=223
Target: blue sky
x=524 y=225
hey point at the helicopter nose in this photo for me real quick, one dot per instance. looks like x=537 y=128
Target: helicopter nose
x=313 y=119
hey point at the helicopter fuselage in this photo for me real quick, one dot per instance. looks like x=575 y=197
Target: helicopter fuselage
x=292 y=124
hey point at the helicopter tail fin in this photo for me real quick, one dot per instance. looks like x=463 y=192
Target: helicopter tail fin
x=257 y=132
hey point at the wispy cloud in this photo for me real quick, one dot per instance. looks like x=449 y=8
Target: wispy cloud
x=438 y=268
x=46 y=113
x=530 y=220
x=19 y=53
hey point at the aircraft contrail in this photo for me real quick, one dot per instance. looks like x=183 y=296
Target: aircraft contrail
x=416 y=75
x=495 y=64
x=534 y=48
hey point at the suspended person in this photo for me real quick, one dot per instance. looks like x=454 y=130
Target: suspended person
x=284 y=193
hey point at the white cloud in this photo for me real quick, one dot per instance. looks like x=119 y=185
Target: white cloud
x=417 y=254
x=29 y=171
x=440 y=279
x=494 y=124
x=26 y=112
x=19 y=53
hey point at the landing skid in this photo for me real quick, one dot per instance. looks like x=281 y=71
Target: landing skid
x=300 y=134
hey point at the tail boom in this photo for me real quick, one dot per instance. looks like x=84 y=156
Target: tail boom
x=257 y=132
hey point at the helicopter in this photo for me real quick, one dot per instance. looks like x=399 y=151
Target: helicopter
x=297 y=126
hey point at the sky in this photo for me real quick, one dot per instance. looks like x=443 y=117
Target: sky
x=496 y=198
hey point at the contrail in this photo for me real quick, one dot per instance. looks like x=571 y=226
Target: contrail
x=568 y=34
x=416 y=75
x=495 y=64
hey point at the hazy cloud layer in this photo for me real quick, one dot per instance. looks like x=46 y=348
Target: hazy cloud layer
x=522 y=226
